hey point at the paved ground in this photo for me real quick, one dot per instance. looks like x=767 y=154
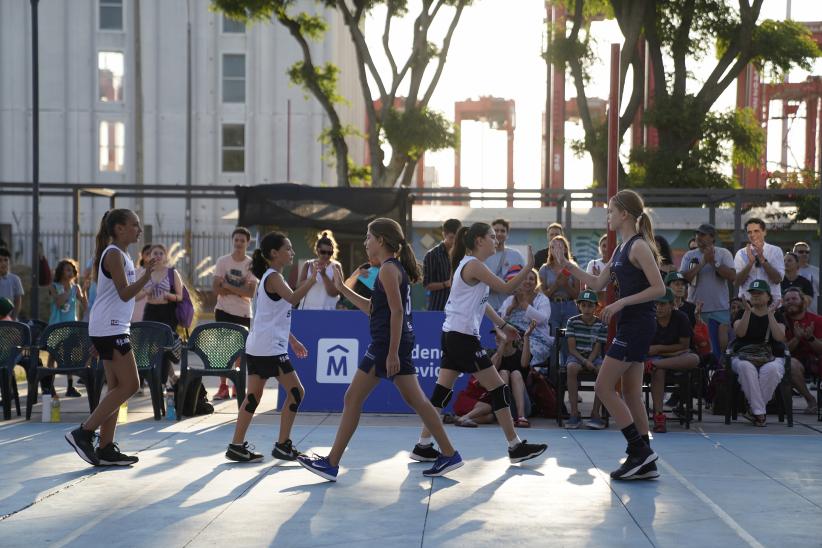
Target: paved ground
x=720 y=486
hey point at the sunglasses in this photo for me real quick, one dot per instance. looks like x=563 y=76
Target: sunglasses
x=324 y=252
x=802 y=251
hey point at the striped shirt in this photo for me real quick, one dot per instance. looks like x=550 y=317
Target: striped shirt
x=586 y=336
x=437 y=269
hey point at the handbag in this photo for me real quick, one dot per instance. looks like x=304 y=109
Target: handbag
x=185 y=308
x=757 y=353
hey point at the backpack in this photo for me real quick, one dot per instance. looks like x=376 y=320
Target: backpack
x=195 y=401
x=543 y=396
x=185 y=308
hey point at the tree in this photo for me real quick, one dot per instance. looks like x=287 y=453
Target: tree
x=692 y=138
x=410 y=127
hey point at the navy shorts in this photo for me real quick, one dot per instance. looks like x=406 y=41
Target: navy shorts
x=105 y=345
x=632 y=339
x=463 y=353
x=268 y=366
x=377 y=354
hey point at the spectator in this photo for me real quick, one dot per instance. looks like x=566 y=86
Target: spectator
x=541 y=256
x=436 y=266
x=472 y=407
x=595 y=266
x=666 y=263
x=679 y=287
x=322 y=295
x=140 y=303
x=6 y=310
x=804 y=335
x=758 y=260
x=504 y=262
x=756 y=359
x=513 y=364
x=361 y=282
x=234 y=284
x=10 y=285
x=692 y=244
x=670 y=350
x=528 y=304
x=90 y=288
x=803 y=251
x=794 y=279
x=709 y=269
x=736 y=310
x=64 y=294
x=559 y=286
x=586 y=336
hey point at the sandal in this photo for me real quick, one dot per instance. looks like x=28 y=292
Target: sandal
x=522 y=422
x=449 y=418
x=465 y=423
x=761 y=421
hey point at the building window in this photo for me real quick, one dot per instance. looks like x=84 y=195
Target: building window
x=233 y=148
x=232 y=26
x=233 y=78
x=112 y=146
x=110 y=72
x=111 y=14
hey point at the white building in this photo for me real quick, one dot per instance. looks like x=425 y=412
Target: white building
x=95 y=60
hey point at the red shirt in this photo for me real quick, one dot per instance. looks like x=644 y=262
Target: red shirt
x=804 y=347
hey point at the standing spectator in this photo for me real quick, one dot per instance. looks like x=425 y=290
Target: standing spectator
x=322 y=295
x=679 y=287
x=804 y=334
x=756 y=360
x=803 y=251
x=235 y=286
x=64 y=294
x=586 y=335
x=503 y=262
x=90 y=288
x=794 y=279
x=528 y=304
x=436 y=266
x=559 y=286
x=759 y=260
x=10 y=285
x=541 y=256
x=709 y=269
x=666 y=263
x=140 y=302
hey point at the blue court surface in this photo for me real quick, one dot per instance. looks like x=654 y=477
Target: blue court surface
x=720 y=486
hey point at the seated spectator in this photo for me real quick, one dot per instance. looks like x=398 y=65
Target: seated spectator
x=679 y=287
x=809 y=271
x=736 y=309
x=586 y=336
x=472 y=407
x=528 y=304
x=670 y=350
x=803 y=332
x=756 y=359
x=512 y=361
x=10 y=285
x=6 y=310
x=794 y=279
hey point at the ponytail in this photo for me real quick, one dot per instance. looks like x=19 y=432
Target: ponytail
x=645 y=227
x=272 y=241
x=258 y=264
x=394 y=241
x=105 y=234
x=466 y=240
x=409 y=262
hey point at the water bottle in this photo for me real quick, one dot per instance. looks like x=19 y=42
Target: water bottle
x=55 y=410
x=171 y=411
x=122 y=414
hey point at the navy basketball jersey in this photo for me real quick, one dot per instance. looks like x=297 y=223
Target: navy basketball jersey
x=381 y=312
x=630 y=280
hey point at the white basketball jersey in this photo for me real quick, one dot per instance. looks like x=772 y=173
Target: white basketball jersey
x=109 y=314
x=466 y=303
x=271 y=324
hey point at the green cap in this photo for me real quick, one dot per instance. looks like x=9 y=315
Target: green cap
x=6 y=306
x=668 y=297
x=674 y=277
x=589 y=296
x=760 y=285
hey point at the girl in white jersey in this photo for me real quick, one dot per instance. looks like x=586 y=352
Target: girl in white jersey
x=461 y=349
x=109 y=330
x=266 y=348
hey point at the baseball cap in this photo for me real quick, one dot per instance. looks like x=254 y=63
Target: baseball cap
x=6 y=306
x=668 y=297
x=674 y=277
x=706 y=228
x=588 y=295
x=760 y=285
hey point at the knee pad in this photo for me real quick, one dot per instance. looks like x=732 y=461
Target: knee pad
x=252 y=404
x=500 y=397
x=441 y=396
x=295 y=393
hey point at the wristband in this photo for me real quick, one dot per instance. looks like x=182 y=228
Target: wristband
x=566 y=272
x=502 y=326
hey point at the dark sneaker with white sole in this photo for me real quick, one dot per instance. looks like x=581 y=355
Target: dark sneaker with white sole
x=83 y=442
x=285 y=451
x=526 y=451
x=443 y=465
x=425 y=453
x=633 y=464
x=242 y=453
x=647 y=472
x=110 y=455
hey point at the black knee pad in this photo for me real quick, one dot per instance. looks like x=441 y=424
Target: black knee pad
x=441 y=396
x=500 y=397
x=295 y=393
x=252 y=404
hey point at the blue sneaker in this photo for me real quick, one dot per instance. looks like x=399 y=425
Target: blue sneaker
x=443 y=465
x=573 y=423
x=320 y=466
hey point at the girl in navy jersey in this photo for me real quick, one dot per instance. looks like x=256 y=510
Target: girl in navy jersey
x=634 y=270
x=109 y=324
x=392 y=340
x=266 y=348
x=461 y=348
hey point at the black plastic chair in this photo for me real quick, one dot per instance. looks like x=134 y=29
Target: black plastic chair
x=218 y=345
x=69 y=345
x=682 y=383
x=149 y=342
x=15 y=339
x=782 y=395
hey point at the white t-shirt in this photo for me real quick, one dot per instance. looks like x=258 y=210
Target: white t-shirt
x=500 y=264
x=109 y=314
x=776 y=259
x=812 y=273
x=317 y=297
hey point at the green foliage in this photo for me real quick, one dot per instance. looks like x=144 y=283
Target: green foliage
x=807 y=207
x=413 y=131
x=782 y=45
x=325 y=77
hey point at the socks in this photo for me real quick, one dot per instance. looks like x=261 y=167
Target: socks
x=514 y=442
x=426 y=441
x=631 y=434
x=647 y=439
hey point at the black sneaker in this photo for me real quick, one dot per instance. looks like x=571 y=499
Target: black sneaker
x=242 y=453
x=83 y=442
x=425 y=453
x=72 y=392
x=110 y=455
x=633 y=464
x=647 y=472
x=285 y=451
x=526 y=451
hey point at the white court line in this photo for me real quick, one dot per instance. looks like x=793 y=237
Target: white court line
x=729 y=521
x=23 y=438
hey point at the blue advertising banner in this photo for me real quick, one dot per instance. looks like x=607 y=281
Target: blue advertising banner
x=336 y=341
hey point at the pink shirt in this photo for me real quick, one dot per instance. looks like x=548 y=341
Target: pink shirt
x=235 y=274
